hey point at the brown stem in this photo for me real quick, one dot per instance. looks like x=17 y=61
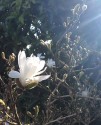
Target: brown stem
x=60 y=118
x=16 y=115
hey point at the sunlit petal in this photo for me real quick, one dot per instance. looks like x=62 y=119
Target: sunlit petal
x=21 y=59
x=14 y=74
x=41 y=65
x=40 y=72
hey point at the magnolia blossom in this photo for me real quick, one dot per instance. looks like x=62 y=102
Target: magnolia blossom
x=50 y=63
x=30 y=69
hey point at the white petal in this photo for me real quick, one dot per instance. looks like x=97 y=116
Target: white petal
x=21 y=59
x=19 y=54
x=40 y=66
x=33 y=66
x=30 y=67
x=38 y=73
x=41 y=78
x=14 y=74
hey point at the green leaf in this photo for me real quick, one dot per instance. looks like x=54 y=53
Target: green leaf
x=21 y=19
x=18 y=4
x=10 y=17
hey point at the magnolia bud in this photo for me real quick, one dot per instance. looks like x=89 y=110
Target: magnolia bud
x=46 y=43
x=3 y=55
x=13 y=55
x=11 y=58
x=65 y=76
x=42 y=42
x=29 y=114
x=2 y=102
x=36 y=110
x=8 y=109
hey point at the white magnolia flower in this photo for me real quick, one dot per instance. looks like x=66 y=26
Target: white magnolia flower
x=30 y=69
x=40 y=56
x=50 y=63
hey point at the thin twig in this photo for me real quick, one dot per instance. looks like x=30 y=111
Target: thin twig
x=17 y=116
x=60 y=118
